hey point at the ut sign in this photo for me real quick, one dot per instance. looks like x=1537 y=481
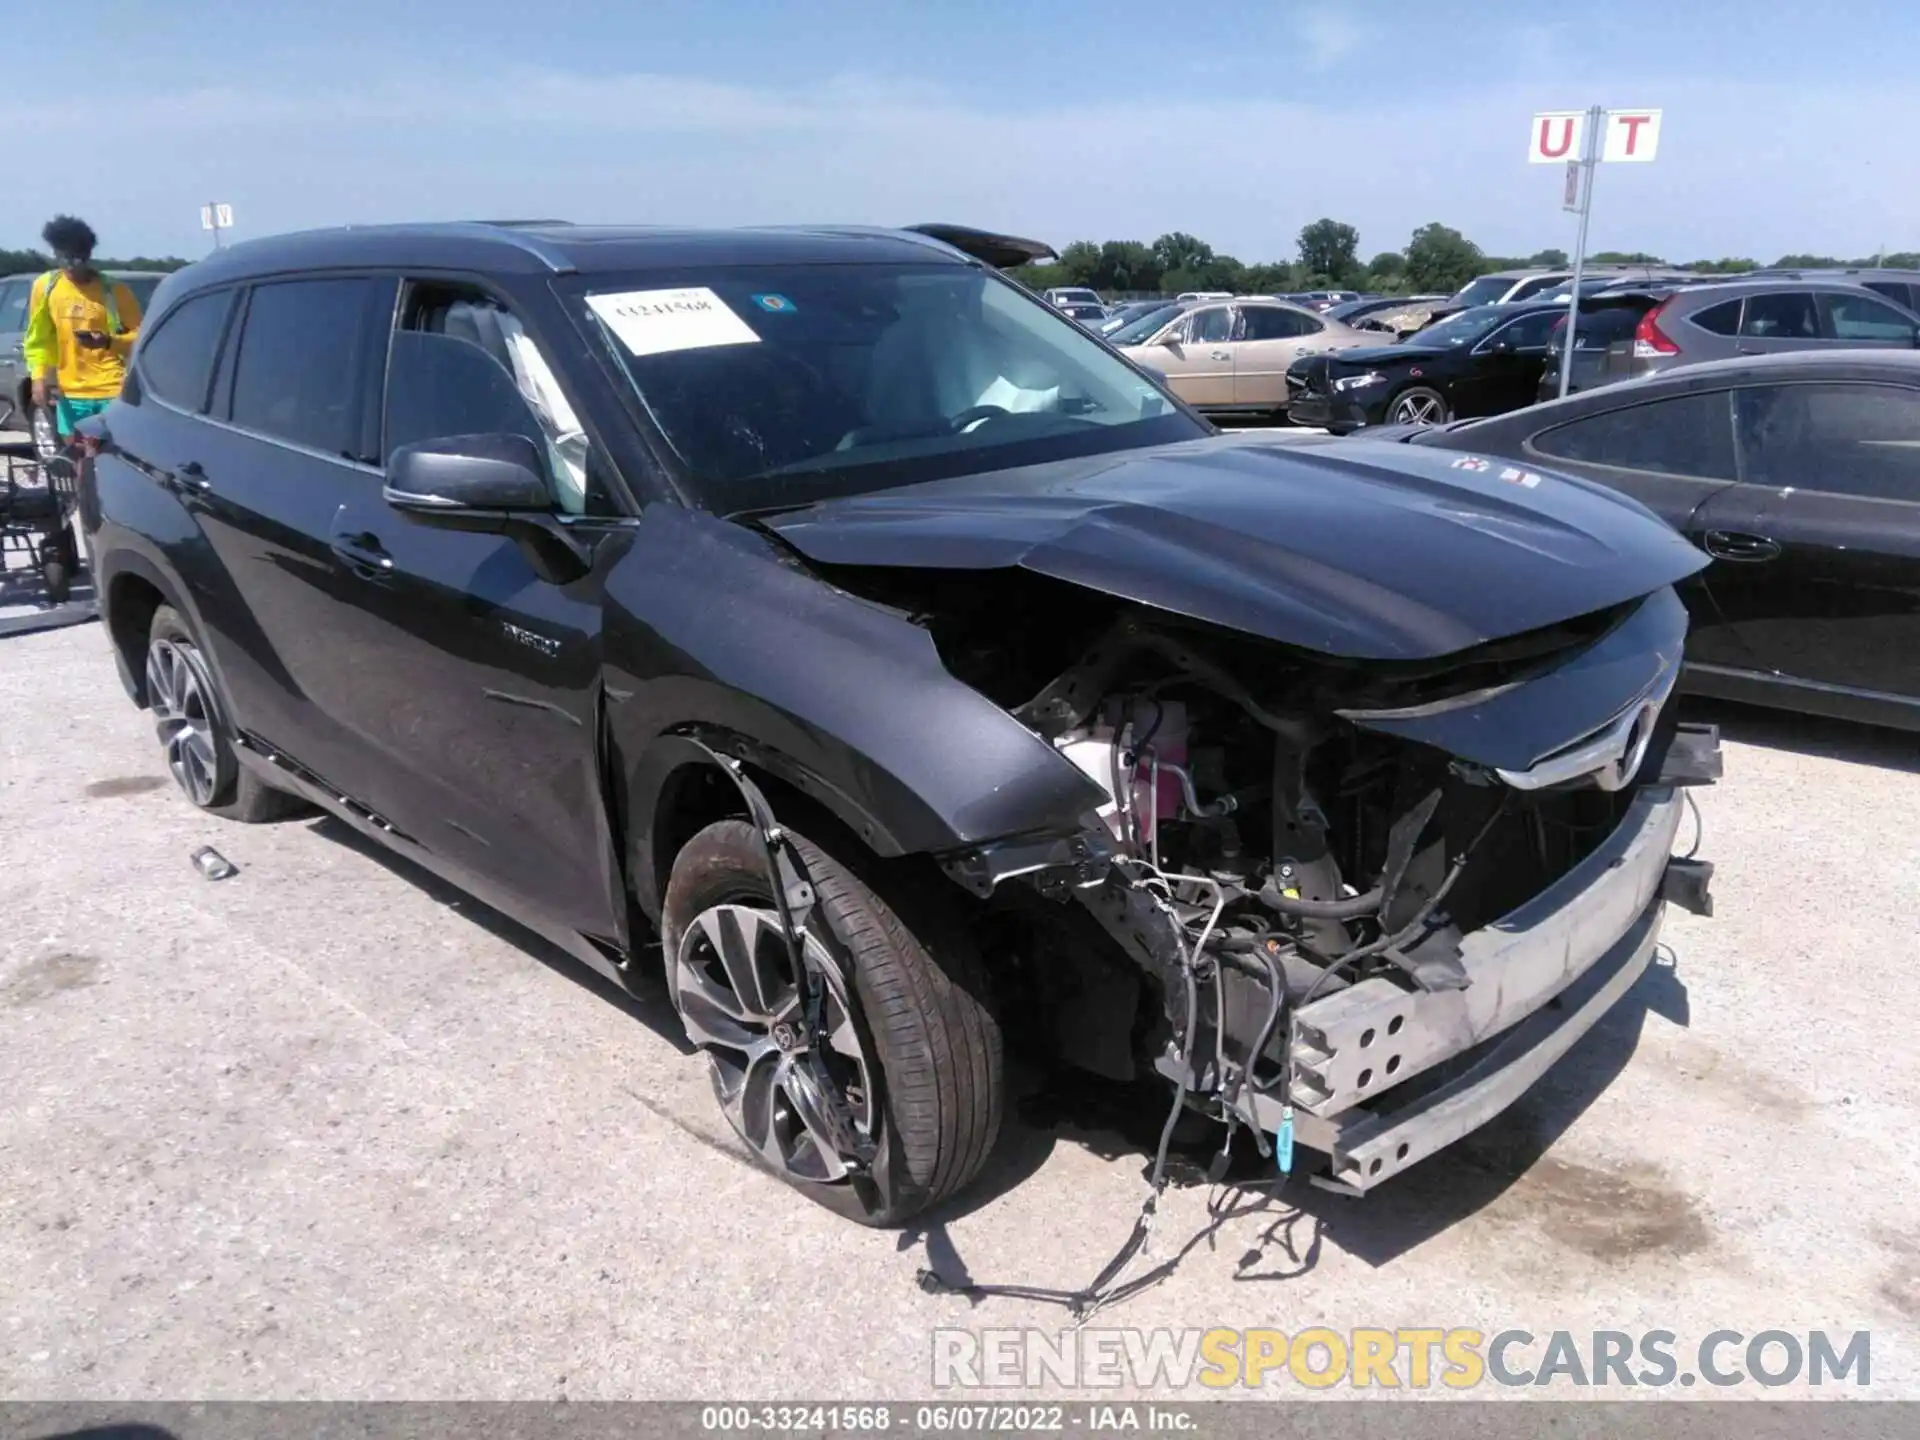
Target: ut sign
x=1558 y=136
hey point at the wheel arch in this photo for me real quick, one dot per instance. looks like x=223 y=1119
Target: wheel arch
x=675 y=788
x=131 y=589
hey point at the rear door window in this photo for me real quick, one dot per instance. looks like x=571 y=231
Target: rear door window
x=1861 y=317
x=1681 y=435
x=1270 y=322
x=176 y=357
x=1528 y=333
x=1782 y=315
x=298 y=373
x=1602 y=328
x=1721 y=319
x=1845 y=438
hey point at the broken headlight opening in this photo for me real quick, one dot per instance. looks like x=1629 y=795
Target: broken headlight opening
x=1336 y=938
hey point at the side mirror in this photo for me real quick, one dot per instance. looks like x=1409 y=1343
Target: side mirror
x=468 y=481
x=489 y=485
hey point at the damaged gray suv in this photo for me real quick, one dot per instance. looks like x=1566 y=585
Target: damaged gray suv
x=915 y=670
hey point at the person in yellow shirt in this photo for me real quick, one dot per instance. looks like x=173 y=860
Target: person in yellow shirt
x=80 y=329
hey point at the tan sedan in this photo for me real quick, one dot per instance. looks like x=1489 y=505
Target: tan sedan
x=1233 y=356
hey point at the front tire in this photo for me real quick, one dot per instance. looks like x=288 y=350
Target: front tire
x=194 y=734
x=911 y=1045
x=1418 y=405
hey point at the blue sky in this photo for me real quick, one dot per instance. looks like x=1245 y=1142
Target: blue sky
x=1062 y=120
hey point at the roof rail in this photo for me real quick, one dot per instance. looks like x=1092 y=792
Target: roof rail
x=508 y=230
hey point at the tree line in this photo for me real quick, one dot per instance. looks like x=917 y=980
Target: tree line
x=1436 y=259
x=24 y=262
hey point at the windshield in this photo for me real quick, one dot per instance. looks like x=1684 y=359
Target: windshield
x=781 y=385
x=1462 y=329
x=1483 y=291
x=1134 y=331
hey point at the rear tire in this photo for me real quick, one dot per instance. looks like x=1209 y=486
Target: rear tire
x=929 y=1045
x=195 y=735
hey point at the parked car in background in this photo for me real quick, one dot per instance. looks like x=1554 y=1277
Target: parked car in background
x=1348 y=311
x=1388 y=314
x=1204 y=295
x=1089 y=315
x=1602 y=343
x=1320 y=300
x=1150 y=323
x=16 y=388
x=1127 y=311
x=1232 y=356
x=1071 y=295
x=1482 y=361
x=1800 y=475
x=893 y=652
x=1900 y=286
x=1767 y=316
x=1507 y=287
x=1408 y=315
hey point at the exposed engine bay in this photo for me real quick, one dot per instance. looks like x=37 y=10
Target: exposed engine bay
x=1261 y=848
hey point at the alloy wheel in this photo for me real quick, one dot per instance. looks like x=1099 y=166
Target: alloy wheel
x=178 y=692
x=741 y=1003
x=1418 y=410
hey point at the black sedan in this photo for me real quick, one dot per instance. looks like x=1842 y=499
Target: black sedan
x=1800 y=475
x=1483 y=361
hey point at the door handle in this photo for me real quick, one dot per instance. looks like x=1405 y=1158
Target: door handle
x=1737 y=545
x=189 y=479
x=1302 y=350
x=363 y=554
x=1220 y=354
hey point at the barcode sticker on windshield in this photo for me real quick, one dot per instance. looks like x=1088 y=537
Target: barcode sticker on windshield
x=653 y=322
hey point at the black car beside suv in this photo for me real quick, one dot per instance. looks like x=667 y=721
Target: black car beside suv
x=1482 y=361
x=912 y=666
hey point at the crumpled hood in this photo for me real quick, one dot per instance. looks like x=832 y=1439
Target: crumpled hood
x=1388 y=354
x=1360 y=549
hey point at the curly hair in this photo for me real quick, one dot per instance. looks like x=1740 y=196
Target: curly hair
x=69 y=237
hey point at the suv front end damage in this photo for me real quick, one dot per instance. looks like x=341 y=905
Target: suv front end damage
x=1369 y=905
x=1383 y=768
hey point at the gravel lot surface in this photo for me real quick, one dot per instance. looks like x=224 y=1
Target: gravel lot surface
x=330 y=1130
